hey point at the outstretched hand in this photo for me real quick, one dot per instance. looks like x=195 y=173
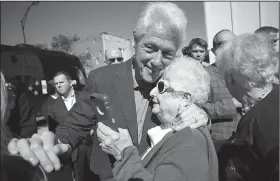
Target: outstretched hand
x=40 y=149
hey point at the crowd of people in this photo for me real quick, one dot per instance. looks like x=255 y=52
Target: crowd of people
x=179 y=117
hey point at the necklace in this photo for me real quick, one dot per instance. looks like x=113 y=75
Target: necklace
x=247 y=108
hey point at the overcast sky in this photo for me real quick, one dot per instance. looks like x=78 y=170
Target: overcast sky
x=48 y=19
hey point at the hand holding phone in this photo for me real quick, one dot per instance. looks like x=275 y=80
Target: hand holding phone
x=104 y=110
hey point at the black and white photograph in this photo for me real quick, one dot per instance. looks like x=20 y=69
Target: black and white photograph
x=139 y=90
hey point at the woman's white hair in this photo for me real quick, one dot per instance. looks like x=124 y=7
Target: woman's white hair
x=4 y=96
x=250 y=57
x=191 y=76
x=164 y=19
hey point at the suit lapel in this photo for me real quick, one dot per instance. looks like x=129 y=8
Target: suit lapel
x=61 y=105
x=124 y=89
x=77 y=95
x=156 y=149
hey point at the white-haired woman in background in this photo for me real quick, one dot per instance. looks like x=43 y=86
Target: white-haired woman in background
x=188 y=154
x=13 y=168
x=6 y=136
x=248 y=65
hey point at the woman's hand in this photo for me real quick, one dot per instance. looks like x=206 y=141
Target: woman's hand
x=113 y=142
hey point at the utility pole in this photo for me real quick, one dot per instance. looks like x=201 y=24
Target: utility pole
x=24 y=18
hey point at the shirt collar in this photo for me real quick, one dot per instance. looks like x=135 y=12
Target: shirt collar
x=72 y=94
x=156 y=134
x=135 y=84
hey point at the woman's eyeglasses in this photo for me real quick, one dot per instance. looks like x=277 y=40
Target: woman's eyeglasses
x=162 y=87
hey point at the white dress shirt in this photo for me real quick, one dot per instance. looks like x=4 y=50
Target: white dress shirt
x=70 y=100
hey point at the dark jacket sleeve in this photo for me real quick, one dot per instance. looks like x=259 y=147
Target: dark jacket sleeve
x=21 y=121
x=28 y=124
x=51 y=119
x=180 y=163
x=80 y=119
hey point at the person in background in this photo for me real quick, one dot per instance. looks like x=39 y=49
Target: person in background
x=113 y=56
x=248 y=65
x=197 y=49
x=67 y=97
x=188 y=154
x=221 y=106
x=159 y=34
x=272 y=33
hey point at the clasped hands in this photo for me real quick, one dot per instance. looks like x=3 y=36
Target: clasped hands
x=44 y=150
x=114 y=143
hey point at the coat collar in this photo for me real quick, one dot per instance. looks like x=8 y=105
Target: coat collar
x=124 y=88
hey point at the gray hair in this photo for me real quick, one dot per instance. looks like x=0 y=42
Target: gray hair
x=4 y=96
x=193 y=78
x=250 y=57
x=267 y=30
x=164 y=19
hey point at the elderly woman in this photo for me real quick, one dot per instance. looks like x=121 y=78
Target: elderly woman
x=249 y=64
x=184 y=155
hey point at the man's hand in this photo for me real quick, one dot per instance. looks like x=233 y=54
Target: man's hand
x=40 y=150
x=113 y=142
x=191 y=116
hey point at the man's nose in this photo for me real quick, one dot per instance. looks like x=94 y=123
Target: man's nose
x=157 y=59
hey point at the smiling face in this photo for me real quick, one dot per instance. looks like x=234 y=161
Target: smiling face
x=165 y=105
x=152 y=56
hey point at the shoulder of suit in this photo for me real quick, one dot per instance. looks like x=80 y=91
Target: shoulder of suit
x=190 y=137
x=112 y=70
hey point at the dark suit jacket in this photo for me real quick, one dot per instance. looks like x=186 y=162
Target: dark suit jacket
x=57 y=111
x=20 y=115
x=187 y=155
x=252 y=153
x=116 y=81
x=220 y=107
x=56 y=116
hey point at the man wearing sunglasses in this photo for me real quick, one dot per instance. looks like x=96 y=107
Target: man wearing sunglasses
x=113 y=56
x=159 y=33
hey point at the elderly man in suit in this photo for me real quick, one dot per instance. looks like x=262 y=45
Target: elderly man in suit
x=159 y=34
